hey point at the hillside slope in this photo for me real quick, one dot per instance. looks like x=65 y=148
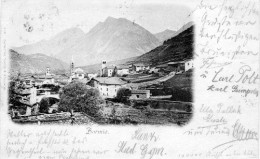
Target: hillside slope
x=55 y=45
x=177 y=48
x=35 y=63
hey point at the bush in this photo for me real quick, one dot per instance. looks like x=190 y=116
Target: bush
x=179 y=94
x=123 y=95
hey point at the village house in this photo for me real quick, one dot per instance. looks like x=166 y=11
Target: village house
x=61 y=79
x=122 y=70
x=75 y=73
x=140 y=67
x=32 y=109
x=38 y=82
x=107 y=86
x=25 y=101
x=182 y=66
x=29 y=81
x=154 y=70
x=78 y=73
x=92 y=75
x=46 y=78
x=140 y=94
x=44 y=93
x=109 y=71
x=161 y=68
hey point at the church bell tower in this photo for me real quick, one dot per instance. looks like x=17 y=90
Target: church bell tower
x=72 y=66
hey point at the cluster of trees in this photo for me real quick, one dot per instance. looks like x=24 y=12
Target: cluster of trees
x=54 y=88
x=77 y=97
x=179 y=94
x=45 y=103
x=15 y=85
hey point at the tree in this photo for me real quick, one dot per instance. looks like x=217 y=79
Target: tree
x=123 y=95
x=77 y=97
x=15 y=86
x=54 y=88
x=46 y=103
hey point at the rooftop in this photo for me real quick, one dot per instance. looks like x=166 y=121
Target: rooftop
x=38 y=80
x=176 y=62
x=122 y=67
x=78 y=70
x=162 y=66
x=45 y=77
x=84 y=80
x=24 y=92
x=139 y=64
x=138 y=91
x=110 y=80
x=30 y=78
x=110 y=67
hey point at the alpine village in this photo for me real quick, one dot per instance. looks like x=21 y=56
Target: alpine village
x=117 y=73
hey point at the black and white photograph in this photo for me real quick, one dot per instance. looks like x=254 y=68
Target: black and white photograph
x=129 y=79
x=102 y=64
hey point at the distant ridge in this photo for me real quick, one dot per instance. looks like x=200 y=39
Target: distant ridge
x=56 y=44
x=178 y=48
x=35 y=63
x=164 y=35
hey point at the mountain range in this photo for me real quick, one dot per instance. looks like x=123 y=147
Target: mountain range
x=118 y=40
x=178 y=48
x=113 y=39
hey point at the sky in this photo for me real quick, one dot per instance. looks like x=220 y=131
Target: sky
x=30 y=21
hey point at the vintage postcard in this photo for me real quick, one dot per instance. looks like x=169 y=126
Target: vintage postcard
x=105 y=79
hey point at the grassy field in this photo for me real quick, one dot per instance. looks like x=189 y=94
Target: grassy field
x=145 y=114
x=182 y=81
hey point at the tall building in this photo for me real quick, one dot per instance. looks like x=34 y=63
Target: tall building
x=75 y=73
x=107 y=71
x=104 y=64
x=48 y=72
x=72 y=66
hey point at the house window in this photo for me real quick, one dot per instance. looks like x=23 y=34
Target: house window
x=107 y=89
x=137 y=96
